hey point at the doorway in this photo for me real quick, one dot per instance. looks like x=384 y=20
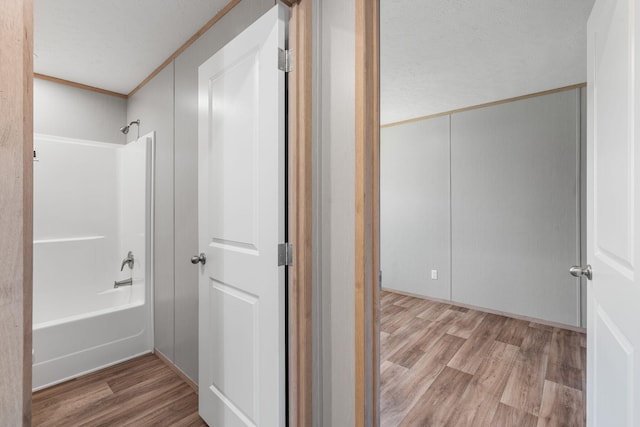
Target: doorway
x=301 y=164
x=366 y=297
x=436 y=328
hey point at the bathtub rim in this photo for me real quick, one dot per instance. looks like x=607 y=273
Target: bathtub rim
x=78 y=317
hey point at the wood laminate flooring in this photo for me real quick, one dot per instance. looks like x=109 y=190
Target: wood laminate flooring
x=443 y=365
x=141 y=392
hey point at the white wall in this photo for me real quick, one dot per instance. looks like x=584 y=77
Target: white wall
x=415 y=216
x=337 y=109
x=514 y=197
x=515 y=211
x=66 y=111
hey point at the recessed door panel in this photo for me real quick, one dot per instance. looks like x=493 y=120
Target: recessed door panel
x=615 y=352
x=233 y=146
x=233 y=367
x=614 y=143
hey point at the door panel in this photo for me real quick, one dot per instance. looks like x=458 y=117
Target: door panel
x=613 y=377
x=241 y=222
x=613 y=146
x=614 y=354
x=234 y=371
x=233 y=168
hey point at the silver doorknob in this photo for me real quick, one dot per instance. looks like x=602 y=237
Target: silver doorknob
x=578 y=271
x=196 y=259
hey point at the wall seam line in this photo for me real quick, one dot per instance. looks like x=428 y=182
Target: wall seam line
x=579 y=172
x=173 y=197
x=450 y=211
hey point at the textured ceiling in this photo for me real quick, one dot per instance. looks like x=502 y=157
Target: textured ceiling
x=441 y=55
x=436 y=55
x=113 y=44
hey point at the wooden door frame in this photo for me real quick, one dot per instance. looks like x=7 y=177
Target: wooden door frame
x=300 y=354
x=367 y=213
x=16 y=217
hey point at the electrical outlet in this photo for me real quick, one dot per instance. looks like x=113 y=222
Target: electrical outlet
x=434 y=274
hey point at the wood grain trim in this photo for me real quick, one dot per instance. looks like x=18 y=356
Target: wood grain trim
x=78 y=85
x=367 y=133
x=488 y=104
x=175 y=369
x=16 y=118
x=186 y=44
x=27 y=211
x=300 y=217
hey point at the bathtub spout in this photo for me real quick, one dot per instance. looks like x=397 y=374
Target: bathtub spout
x=125 y=282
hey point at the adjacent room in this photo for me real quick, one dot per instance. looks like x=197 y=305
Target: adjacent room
x=483 y=129
x=127 y=318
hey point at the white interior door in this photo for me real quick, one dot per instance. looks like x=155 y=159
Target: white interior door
x=613 y=212
x=241 y=221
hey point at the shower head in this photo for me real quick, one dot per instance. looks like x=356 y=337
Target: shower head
x=125 y=129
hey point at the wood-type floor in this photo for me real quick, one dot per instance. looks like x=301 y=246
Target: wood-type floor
x=443 y=365
x=141 y=392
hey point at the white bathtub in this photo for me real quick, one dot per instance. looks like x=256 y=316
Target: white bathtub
x=92 y=205
x=116 y=330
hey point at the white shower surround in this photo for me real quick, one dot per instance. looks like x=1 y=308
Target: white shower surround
x=91 y=204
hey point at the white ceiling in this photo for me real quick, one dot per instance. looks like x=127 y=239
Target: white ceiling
x=441 y=55
x=436 y=55
x=113 y=44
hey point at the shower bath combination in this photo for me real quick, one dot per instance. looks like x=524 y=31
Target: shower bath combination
x=99 y=312
x=125 y=129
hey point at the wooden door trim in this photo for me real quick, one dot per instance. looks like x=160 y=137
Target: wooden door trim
x=300 y=216
x=79 y=85
x=367 y=195
x=16 y=164
x=487 y=104
x=27 y=211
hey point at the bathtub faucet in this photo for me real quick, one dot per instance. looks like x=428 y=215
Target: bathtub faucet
x=127 y=261
x=125 y=282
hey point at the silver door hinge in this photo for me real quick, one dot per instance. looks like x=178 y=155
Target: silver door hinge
x=285 y=60
x=285 y=254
